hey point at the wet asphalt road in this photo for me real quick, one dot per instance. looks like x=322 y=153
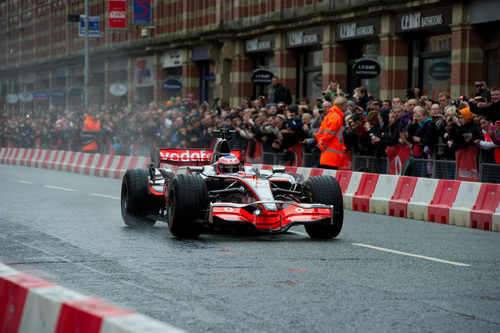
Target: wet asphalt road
x=67 y=229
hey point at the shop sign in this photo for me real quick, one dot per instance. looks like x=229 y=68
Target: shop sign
x=172 y=59
x=305 y=37
x=261 y=44
x=26 y=97
x=172 y=85
x=358 y=29
x=12 y=98
x=262 y=76
x=425 y=19
x=57 y=94
x=118 y=89
x=366 y=68
x=40 y=95
x=440 y=71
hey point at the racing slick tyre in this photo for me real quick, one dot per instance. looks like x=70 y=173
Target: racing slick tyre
x=136 y=199
x=325 y=190
x=186 y=205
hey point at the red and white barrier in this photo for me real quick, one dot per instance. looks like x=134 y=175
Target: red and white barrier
x=462 y=203
x=379 y=201
x=30 y=304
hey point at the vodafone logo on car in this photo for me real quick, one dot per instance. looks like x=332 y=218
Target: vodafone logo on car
x=180 y=155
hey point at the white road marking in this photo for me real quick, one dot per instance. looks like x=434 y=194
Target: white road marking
x=412 y=255
x=24 y=182
x=60 y=188
x=104 y=196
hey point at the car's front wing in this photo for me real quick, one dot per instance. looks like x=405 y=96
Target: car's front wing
x=281 y=219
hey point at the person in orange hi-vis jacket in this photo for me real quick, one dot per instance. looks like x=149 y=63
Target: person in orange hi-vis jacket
x=91 y=127
x=330 y=138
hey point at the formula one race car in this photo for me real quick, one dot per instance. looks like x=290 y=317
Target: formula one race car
x=209 y=190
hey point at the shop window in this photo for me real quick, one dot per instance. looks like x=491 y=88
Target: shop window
x=431 y=64
x=372 y=50
x=309 y=76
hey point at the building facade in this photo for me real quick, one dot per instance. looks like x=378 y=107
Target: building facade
x=229 y=49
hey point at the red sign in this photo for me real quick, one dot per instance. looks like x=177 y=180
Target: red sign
x=467 y=164
x=397 y=155
x=117 y=14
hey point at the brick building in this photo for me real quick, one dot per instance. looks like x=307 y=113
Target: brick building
x=212 y=47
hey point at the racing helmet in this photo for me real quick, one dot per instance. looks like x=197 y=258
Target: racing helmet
x=228 y=164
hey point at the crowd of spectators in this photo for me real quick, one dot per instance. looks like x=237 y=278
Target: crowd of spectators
x=431 y=128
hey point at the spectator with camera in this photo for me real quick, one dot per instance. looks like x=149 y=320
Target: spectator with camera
x=481 y=90
x=480 y=106
x=333 y=91
x=490 y=152
x=362 y=97
x=465 y=133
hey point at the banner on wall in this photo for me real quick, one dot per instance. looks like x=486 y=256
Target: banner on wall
x=397 y=155
x=142 y=13
x=143 y=72
x=117 y=14
x=467 y=169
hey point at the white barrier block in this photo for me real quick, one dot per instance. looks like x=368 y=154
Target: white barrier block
x=496 y=220
x=379 y=201
x=42 y=308
x=418 y=207
x=465 y=200
x=351 y=189
x=136 y=323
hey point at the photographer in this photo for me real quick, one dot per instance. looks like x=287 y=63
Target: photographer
x=466 y=132
x=481 y=90
x=333 y=91
x=374 y=131
x=479 y=105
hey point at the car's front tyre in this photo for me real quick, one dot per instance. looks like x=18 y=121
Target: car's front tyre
x=325 y=190
x=136 y=200
x=187 y=202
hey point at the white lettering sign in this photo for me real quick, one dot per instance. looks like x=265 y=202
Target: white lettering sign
x=348 y=30
x=416 y=21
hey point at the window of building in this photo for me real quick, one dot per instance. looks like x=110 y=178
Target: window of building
x=309 y=74
x=431 y=64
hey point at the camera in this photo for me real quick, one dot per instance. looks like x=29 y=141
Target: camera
x=372 y=136
x=457 y=101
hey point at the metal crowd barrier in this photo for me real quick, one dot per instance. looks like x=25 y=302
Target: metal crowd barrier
x=427 y=168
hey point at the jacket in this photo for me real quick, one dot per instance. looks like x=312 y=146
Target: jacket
x=330 y=139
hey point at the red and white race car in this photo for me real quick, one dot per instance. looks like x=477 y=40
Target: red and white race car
x=207 y=190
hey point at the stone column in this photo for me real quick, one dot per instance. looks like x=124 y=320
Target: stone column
x=394 y=52
x=466 y=53
x=286 y=64
x=240 y=75
x=334 y=59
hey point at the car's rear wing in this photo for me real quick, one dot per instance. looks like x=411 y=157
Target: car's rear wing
x=190 y=156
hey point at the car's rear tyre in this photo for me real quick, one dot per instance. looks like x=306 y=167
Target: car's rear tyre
x=186 y=205
x=136 y=199
x=325 y=190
